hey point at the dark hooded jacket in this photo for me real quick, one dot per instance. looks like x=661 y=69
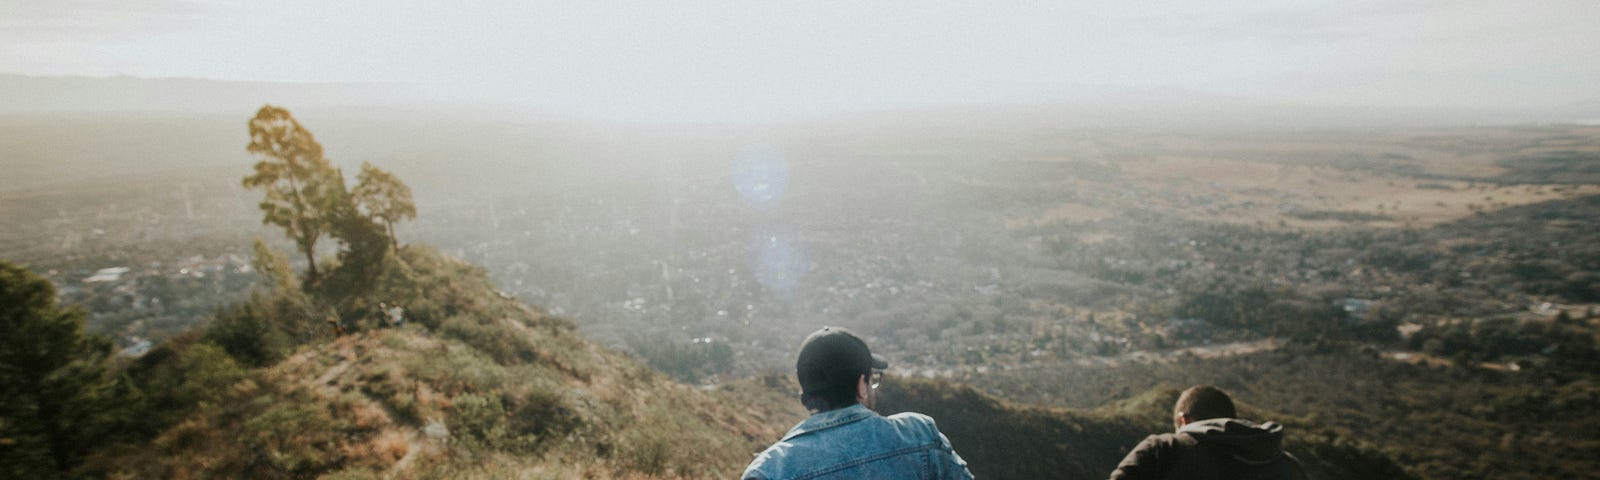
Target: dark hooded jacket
x=1220 y=448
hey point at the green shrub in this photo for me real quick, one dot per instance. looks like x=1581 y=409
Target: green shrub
x=247 y=335
x=294 y=435
x=505 y=346
x=479 y=422
x=645 y=450
x=539 y=412
x=455 y=368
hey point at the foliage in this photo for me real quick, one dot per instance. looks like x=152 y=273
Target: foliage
x=486 y=337
x=256 y=337
x=1552 y=346
x=267 y=325
x=307 y=197
x=303 y=190
x=293 y=437
x=59 y=398
x=182 y=375
x=685 y=361
x=382 y=196
x=273 y=267
x=481 y=423
x=362 y=260
x=1560 y=166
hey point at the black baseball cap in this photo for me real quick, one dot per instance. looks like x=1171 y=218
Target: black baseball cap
x=833 y=358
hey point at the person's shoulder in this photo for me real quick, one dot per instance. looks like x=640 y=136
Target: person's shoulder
x=1168 y=440
x=913 y=421
x=753 y=471
x=762 y=466
x=910 y=418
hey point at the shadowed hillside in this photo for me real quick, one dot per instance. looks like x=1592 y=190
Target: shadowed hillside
x=1000 y=439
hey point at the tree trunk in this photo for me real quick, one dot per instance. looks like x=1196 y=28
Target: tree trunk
x=393 y=242
x=311 y=262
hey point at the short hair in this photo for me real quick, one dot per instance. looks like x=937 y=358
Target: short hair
x=1204 y=402
x=829 y=399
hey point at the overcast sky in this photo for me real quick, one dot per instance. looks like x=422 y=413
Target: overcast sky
x=663 y=59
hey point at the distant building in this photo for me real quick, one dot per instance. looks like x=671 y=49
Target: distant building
x=137 y=349
x=112 y=274
x=1356 y=307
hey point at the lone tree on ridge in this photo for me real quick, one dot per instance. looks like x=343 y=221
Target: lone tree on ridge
x=303 y=190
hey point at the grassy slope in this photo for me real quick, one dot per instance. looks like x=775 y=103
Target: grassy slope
x=496 y=390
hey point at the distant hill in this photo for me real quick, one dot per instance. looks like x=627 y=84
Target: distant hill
x=1080 y=106
x=30 y=94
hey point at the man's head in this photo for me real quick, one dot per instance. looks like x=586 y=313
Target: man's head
x=1201 y=402
x=834 y=369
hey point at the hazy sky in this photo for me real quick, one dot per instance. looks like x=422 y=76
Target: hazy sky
x=754 y=59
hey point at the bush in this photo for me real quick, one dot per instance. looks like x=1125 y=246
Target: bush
x=246 y=334
x=455 y=369
x=294 y=436
x=479 y=422
x=646 y=451
x=506 y=347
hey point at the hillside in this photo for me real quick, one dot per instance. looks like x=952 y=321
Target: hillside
x=477 y=385
x=1518 y=425
x=408 y=404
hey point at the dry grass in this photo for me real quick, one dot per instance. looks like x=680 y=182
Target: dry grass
x=1242 y=192
x=357 y=407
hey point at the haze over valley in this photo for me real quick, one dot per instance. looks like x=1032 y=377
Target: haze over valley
x=622 y=234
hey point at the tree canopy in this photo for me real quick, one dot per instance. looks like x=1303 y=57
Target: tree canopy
x=382 y=196
x=303 y=190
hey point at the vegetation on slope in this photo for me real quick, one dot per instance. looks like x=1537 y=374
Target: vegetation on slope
x=474 y=385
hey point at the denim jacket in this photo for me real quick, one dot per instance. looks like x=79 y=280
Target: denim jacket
x=855 y=442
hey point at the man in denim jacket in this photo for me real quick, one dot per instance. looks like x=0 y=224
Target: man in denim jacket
x=844 y=438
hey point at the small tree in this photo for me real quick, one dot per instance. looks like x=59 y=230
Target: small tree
x=384 y=197
x=303 y=190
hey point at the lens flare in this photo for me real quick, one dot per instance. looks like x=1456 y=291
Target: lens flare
x=760 y=174
x=779 y=264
